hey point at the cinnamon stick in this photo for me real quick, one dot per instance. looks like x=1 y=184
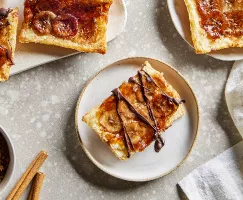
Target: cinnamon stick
x=36 y=186
x=24 y=181
x=31 y=192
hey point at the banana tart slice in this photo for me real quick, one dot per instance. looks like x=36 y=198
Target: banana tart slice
x=136 y=113
x=215 y=24
x=75 y=24
x=8 y=32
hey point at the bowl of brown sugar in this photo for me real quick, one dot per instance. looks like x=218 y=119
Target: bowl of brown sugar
x=7 y=159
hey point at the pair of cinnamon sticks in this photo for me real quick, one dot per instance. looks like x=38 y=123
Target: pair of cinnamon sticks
x=30 y=174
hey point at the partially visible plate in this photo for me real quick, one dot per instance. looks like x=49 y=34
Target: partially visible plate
x=146 y=165
x=31 y=55
x=180 y=18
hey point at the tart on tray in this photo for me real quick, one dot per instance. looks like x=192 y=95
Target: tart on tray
x=75 y=24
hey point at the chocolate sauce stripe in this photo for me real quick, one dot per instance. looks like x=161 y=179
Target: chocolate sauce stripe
x=159 y=142
x=132 y=80
x=172 y=99
x=119 y=96
x=130 y=106
x=146 y=100
x=126 y=136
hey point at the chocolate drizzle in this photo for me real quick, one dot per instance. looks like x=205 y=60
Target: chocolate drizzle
x=116 y=92
x=159 y=141
x=133 y=80
x=119 y=96
x=171 y=99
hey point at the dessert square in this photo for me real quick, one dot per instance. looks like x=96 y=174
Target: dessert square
x=136 y=113
x=8 y=32
x=75 y=24
x=215 y=24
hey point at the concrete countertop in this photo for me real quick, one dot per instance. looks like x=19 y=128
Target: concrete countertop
x=37 y=110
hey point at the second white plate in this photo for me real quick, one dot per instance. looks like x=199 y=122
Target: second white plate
x=146 y=165
x=180 y=19
x=31 y=55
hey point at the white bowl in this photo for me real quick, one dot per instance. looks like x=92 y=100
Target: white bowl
x=11 y=165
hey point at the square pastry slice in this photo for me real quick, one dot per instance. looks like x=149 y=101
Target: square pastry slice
x=8 y=32
x=136 y=113
x=215 y=24
x=75 y=24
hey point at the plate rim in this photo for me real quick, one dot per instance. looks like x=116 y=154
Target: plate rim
x=176 y=27
x=90 y=155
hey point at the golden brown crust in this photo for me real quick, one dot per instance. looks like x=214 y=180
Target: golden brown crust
x=104 y=119
x=92 y=41
x=201 y=41
x=8 y=41
x=28 y=35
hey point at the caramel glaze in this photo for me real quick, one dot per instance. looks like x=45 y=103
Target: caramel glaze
x=143 y=78
x=84 y=13
x=217 y=22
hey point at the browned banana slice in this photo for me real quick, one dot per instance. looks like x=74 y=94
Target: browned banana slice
x=43 y=22
x=65 y=26
x=161 y=106
x=110 y=121
x=4 y=13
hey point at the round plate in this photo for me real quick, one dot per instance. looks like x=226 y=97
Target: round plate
x=146 y=165
x=180 y=18
x=117 y=19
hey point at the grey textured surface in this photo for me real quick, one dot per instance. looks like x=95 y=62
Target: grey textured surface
x=37 y=110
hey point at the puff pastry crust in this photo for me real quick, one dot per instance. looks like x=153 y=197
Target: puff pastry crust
x=105 y=120
x=75 y=24
x=8 y=32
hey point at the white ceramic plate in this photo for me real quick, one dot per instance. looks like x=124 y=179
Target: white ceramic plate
x=146 y=165
x=180 y=19
x=31 y=55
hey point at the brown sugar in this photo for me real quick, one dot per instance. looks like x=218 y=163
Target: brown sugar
x=4 y=157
